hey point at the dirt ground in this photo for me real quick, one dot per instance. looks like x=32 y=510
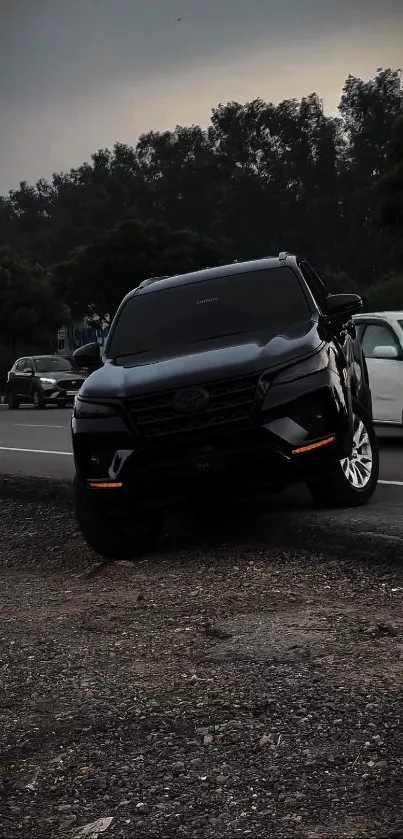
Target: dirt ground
x=219 y=691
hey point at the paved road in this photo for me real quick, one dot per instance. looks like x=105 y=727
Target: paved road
x=38 y=443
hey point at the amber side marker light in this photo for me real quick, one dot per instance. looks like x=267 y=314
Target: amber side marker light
x=105 y=484
x=318 y=445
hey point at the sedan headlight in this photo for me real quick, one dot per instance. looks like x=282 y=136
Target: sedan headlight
x=92 y=410
x=313 y=364
x=46 y=381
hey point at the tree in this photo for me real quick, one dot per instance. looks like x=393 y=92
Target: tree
x=368 y=110
x=97 y=277
x=182 y=178
x=267 y=176
x=340 y=283
x=28 y=309
x=387 y=295
x=389 y=191
x=281 y=162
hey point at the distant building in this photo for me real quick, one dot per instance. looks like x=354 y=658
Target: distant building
x=70 y=337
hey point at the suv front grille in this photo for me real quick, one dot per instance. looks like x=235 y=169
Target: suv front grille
x=69 y=384
x=230 y=407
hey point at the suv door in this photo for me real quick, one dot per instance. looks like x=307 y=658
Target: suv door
x=385 y=374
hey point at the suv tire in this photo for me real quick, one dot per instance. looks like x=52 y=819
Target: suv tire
x=353 y=480
x=105 y=536
x=12 y=401
x=37 y=398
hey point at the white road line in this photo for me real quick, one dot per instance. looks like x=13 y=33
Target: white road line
x=392 y=483
x=36 y=425
x=33 y=451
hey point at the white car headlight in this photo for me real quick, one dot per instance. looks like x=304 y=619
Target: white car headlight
x=46 y=381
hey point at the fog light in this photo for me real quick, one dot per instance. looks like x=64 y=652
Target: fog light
x=308 y=447
x=105 y=484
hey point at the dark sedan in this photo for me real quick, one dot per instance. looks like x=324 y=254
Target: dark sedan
x=42 y=380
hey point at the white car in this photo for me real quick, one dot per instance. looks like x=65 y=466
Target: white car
x=381 y=336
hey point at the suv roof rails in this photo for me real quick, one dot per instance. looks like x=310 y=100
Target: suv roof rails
x=152 y=280
x=283 y=255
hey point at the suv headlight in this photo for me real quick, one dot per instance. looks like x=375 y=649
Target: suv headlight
x=313 y=364
x=46 y=381
x=92 y=410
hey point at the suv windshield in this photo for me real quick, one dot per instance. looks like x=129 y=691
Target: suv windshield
x=52 y=363
x=167 y=318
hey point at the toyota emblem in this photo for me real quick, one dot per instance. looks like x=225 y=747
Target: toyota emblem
x=189 y=400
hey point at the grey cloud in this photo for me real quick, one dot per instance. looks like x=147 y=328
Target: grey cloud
x=79 y=74
x=60 y=48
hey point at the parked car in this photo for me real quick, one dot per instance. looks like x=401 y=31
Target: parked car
x=232 y=379
x=381 y=337
x=43 y=380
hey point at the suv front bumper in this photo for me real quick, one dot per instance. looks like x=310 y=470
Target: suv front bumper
x=263 y=456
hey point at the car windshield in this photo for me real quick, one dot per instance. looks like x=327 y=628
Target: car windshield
x=173 y=317
x=52 y=364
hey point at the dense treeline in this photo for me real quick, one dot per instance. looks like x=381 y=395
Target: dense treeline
x=261 y=178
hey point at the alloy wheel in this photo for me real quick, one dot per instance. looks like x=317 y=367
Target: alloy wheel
x=357 y=467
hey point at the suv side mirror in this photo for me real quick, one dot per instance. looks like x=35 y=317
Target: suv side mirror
x=385 y=352
x=88 y=356
x=340 y=308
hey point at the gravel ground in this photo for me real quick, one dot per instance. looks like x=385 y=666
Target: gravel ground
x=231 y=690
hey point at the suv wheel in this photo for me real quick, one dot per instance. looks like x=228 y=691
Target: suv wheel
x=353 y=480
x=38 y=400
x=12 y=401
x=105 y=536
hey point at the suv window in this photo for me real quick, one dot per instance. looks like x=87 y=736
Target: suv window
x=378 y=335
x=246 y=303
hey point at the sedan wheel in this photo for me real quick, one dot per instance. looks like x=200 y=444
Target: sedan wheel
x=12 y=401
x=38 y=400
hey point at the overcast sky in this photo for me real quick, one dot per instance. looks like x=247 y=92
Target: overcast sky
x=77 y=75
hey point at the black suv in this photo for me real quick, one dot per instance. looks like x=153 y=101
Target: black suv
x=239 y=378
x=43 y=380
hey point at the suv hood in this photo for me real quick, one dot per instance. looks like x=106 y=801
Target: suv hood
x=219 y=358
